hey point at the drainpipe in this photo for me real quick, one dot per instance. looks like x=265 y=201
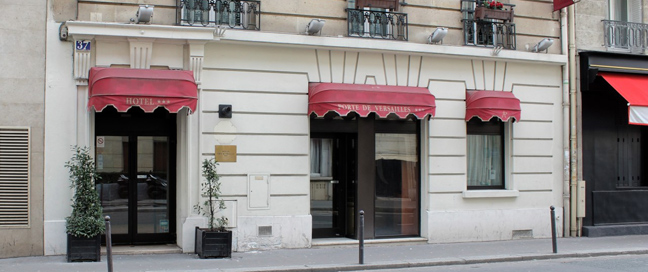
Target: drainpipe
x=565 y=108
x=574 y=230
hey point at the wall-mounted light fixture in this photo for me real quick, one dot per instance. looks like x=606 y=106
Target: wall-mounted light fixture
x=315 y=26
x=144 y=14
x=543 y=45
x=437 y=36
x=224 y=111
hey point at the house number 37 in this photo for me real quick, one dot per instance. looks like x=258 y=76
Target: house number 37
x=82 y=45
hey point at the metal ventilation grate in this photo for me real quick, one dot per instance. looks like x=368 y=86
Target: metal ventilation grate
x=14 y=177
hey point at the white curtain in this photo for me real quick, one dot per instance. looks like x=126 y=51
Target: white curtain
x=321 y=157
x=484 y=160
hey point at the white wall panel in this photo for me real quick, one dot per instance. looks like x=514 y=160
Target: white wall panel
x=537 y=112
x=444 y=89
x=527 y=182
x=261 y=58
x=390 y=69
x=447 y=183
x=112 y=52
x=538 y=94
x=533 y=147
x=447 y=128
x=261 y=123
x=254 y=81
x=450 y=109
x=269 y=144
x=443 y=165
x=255 y=102
x=337 y=64
x=325 y=70
x=274 y=165
x=168 y=55
x=437 y=69
x=402 y=69
x=533 y=130
x=371 y=69
x=349 y=69
x=448 y=146
x=532 y=164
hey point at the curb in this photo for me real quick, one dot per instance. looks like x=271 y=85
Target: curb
x=439 y=262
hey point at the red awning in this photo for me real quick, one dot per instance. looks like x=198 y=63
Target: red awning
x=144 y=88
x=365 y=99
x=559 y=4
x=489 y=104
x=634 y=89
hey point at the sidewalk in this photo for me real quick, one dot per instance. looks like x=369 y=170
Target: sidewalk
x=346 y=258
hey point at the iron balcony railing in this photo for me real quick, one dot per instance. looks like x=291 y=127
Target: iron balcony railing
x=231 y=13
x=625 y=36
x=377 y=24
x=489 y=33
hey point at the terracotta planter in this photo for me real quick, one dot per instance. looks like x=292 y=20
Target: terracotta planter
x=213 y=244
x=82 y=249
x=482 y=13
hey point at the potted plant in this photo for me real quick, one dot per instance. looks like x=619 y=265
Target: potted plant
x=214 y=241
x=493 y=10
x=85 y=226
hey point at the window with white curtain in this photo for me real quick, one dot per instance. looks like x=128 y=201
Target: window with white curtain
x=321 y=158
x=485 y=154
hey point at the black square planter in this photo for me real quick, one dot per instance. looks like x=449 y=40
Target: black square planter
x=82 y=249
x=213 y=244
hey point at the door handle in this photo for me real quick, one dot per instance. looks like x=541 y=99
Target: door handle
x=335 y=181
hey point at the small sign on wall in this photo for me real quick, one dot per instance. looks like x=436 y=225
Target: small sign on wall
x=225 y=153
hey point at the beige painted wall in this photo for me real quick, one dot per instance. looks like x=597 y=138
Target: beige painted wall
x=22 y=98
x=534 y=19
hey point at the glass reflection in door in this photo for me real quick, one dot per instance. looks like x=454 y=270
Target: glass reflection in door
x=321 y=188
x=152 y=184
x=113 y=186
x=397 y=187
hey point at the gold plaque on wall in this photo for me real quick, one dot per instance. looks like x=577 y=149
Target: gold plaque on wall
x=226 y=153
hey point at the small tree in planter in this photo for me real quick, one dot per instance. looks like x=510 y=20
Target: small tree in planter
x=85 y=226
x=213 y=241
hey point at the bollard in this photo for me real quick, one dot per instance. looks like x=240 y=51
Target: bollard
x=108 y=244
x=553 y=229
x=361 y=237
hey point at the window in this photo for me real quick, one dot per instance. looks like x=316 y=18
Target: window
x=625 y=10
x=397 y=205
x=485 y=154
x=321 y=158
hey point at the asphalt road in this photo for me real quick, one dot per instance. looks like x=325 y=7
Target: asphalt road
x=620 y=263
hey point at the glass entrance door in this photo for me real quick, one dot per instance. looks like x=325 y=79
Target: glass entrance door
x=134 y=187
x=333 y=183
x=135 y=158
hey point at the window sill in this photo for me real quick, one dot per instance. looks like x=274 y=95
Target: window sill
x=490 y=193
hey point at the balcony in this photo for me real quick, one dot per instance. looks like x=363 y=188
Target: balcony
x=237 y=14
x=379 y=24
x=488 y=26
x=489 y=34
x=625 y=36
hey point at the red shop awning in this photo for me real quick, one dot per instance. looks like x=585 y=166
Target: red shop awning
x=365 y=99
x=144 y=88
x=489 y=104
x=634 y=89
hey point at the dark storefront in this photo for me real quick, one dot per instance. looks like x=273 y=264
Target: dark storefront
x=614 y=90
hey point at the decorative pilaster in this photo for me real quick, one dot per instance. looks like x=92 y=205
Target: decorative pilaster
x=196 y=57
x=140 y=53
